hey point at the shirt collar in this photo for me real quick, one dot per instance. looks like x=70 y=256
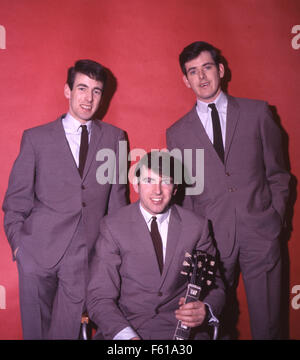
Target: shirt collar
x=160 y=217
x=73 y=126
x=220 y=101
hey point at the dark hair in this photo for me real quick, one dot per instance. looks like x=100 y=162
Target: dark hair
x=90 y=68
x=162 y=163
x=193 y=50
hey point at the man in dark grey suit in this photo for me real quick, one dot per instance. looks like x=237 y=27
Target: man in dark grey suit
x=54 y=204
x=136 y=291
x=245 y=182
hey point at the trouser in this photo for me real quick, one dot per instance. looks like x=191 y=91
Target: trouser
x=52 y=300
x=259 y=261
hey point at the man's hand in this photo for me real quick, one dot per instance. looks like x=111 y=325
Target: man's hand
x=191 y=314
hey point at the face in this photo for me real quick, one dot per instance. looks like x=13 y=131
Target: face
x=155 y=191
x=204 y=77
x=84 y=98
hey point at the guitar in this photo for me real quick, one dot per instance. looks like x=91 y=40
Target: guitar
x=200 y=268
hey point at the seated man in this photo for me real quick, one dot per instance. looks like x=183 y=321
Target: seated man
x=135 y=290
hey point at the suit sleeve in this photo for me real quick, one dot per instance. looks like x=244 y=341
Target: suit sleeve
x=19 y=198
x=215 y=297
x=276 y=173
x=104 y=286
x=118 y=194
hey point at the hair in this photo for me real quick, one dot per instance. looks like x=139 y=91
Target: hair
x=90 y=68
x=162 y=163
x=193 y=50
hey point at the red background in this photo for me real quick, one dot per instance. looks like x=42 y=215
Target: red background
x=139 y=41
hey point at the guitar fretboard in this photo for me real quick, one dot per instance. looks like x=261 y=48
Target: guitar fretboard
x=192 y=294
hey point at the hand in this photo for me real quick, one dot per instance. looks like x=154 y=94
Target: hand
x=191 y=314
x=15 y=252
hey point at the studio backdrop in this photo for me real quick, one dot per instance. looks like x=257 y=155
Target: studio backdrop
x=139 y=42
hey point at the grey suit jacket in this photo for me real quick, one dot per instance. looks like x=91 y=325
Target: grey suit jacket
x=46 y=197
x=252 y=182
x=126 y=287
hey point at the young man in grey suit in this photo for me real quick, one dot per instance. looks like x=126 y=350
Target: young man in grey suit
x=54 y=204
x=245 y=182
x=136 y=290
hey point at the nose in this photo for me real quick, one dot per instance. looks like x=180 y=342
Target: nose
x=89 y=96
x=201 y=74
x=157 y=188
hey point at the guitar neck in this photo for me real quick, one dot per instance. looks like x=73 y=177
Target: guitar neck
x=182 y=332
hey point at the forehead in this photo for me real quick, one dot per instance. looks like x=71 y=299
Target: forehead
x=145 y=172
x=203 y=58
x=86 y=80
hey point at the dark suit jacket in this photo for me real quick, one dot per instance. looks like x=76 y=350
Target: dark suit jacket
x=46 y=197
x=126 y=287
x=252 y=182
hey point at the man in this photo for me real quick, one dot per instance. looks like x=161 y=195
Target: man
x=136 y=290
x=245 y=182
x=53 y=206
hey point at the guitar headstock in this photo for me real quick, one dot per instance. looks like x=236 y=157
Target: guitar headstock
x=200 y=268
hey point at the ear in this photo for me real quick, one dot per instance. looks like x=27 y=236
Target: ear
x=186 y=81
x=67 y=91
x=221 y=70
x=135 y=185
x=175 y=190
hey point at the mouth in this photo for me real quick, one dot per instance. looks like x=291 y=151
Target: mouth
x=157 y=200
x=204 y=85
x=86 y=107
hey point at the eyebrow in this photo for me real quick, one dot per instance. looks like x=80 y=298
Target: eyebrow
x=195 y=67
x=84 y=85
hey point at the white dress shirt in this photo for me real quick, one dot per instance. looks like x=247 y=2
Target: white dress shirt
x=204 y=114
x=73 y=130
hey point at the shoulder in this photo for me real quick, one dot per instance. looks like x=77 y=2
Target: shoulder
x=246 y=103
x=44 y=128
x=121 y=216
x=181 y=123
x=108 y=129
x=188 y=217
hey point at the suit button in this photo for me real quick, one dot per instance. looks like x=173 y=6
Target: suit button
x=83 y=204
x=82 y=187
x=227 y=174
x=232 y=189
x=159 y=293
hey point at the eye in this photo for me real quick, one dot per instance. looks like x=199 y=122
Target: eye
x=97 y=92
x=192 y=72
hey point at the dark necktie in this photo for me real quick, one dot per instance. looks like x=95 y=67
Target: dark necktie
x=157 y=243
x=218 y=141
x=84 y=146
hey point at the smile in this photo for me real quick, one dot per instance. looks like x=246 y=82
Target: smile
x=86 y=107
x=156 y=200
x=204 y=85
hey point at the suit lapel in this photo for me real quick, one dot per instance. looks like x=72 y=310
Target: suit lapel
x=96 y=135
x=65 y=153
x=174 y=232
x=232 y=117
